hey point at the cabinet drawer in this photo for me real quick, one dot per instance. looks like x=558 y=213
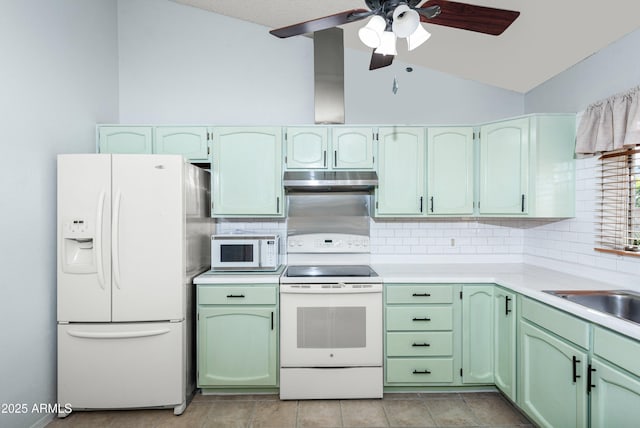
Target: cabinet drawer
x=419 y=370
x=419 y=293
x=556 y=321
x=249 y=295
x=426 y=318
x=420 y=344
x=620 y=350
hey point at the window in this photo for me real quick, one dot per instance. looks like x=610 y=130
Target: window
x=618 y=211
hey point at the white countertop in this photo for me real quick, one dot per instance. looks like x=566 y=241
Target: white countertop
x=213 y=278
x=525 y=279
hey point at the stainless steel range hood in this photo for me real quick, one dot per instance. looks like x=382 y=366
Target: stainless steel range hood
x=330 y=181
x=328 y=55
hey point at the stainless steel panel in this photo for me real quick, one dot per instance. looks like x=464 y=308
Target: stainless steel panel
x=328 y=213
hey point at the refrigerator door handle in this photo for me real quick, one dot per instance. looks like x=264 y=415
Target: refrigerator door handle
x=117 y=334
x=115 y=241
x=98 y=243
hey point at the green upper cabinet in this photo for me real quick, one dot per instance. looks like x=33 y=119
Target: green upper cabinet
x=450 y=171
x=401 y=172
x=125 y=139
x=527 y=167
x=552 y=166
x=307 y=148
x=477 y=334
x=192 y=142
x=504 y=350
x=247 y=172
x=352 y=148
x=504 y=173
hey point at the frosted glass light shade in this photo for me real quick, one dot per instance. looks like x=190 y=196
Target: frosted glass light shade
x=405 y=21
x=388 y=44
x=417 y=38
x=371 y=34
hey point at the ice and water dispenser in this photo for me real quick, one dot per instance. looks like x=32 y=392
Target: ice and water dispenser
x=79 y=251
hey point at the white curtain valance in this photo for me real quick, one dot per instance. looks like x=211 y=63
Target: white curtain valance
x=610 y=124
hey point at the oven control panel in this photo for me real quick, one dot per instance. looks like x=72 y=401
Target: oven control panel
x=328 y=243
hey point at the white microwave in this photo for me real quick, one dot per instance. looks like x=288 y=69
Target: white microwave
x=245 y=252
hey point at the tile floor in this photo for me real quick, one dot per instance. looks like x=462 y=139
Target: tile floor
x=485 y=409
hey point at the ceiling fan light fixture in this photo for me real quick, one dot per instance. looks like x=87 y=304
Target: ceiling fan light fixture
x=387 y=44
x=405 y=21
x=419 y=36
x=371 y=34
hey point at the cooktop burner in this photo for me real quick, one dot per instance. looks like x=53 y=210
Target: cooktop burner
x=331 y=270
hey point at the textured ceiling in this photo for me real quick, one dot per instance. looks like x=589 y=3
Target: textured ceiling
x=548 y=37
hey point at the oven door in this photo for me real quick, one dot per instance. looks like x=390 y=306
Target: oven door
x=330 y=325
x=235 y=253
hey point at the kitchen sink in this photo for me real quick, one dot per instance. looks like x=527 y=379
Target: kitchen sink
x=623 y=304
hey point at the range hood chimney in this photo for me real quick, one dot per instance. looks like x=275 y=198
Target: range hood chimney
x=328 y=58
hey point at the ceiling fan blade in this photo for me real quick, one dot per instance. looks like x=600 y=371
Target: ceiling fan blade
x=379 y=61
x=323 y=23
x=481 y=19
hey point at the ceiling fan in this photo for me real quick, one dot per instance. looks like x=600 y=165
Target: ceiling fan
x=393 y=19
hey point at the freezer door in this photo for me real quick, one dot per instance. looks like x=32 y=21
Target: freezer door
x=106 y=366
x=147 y=238
x=84 y=238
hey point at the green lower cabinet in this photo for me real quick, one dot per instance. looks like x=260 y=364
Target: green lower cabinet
x=552 y=379
x=422 y=335
x=237 y=347
x=615 y=397
x=420 y=370
x=504 y=351
x=477 y=334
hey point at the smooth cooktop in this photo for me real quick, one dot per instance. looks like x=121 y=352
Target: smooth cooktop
x=330 y=270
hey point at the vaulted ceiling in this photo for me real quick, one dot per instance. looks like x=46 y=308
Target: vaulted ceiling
x=548 y=37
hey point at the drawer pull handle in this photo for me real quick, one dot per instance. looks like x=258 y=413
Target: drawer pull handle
x=421 y=372
x=240 y=296
x=421 y=344
x=422 y=319
x=421 y=295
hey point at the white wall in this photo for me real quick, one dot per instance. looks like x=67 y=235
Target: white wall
x=185 y=65
x=424 y=96
x=58 y=78
x=180 y=64
x=568 y=245
x=614 y=69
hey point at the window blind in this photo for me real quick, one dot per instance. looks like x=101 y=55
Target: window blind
x=618 y=204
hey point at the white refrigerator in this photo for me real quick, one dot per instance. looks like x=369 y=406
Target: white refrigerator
x=133 y=231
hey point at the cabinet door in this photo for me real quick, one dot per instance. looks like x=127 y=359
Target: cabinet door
x=352 y=148
x=236 y=346
x=504 y=157
x=125 y=139
x=306 y=148
x=504 y=362
x=247 y=172
x=615 y=397
x=477 y=334
x=401 y=165
x=549 y=393
x=190 y=142
x=450 y=171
